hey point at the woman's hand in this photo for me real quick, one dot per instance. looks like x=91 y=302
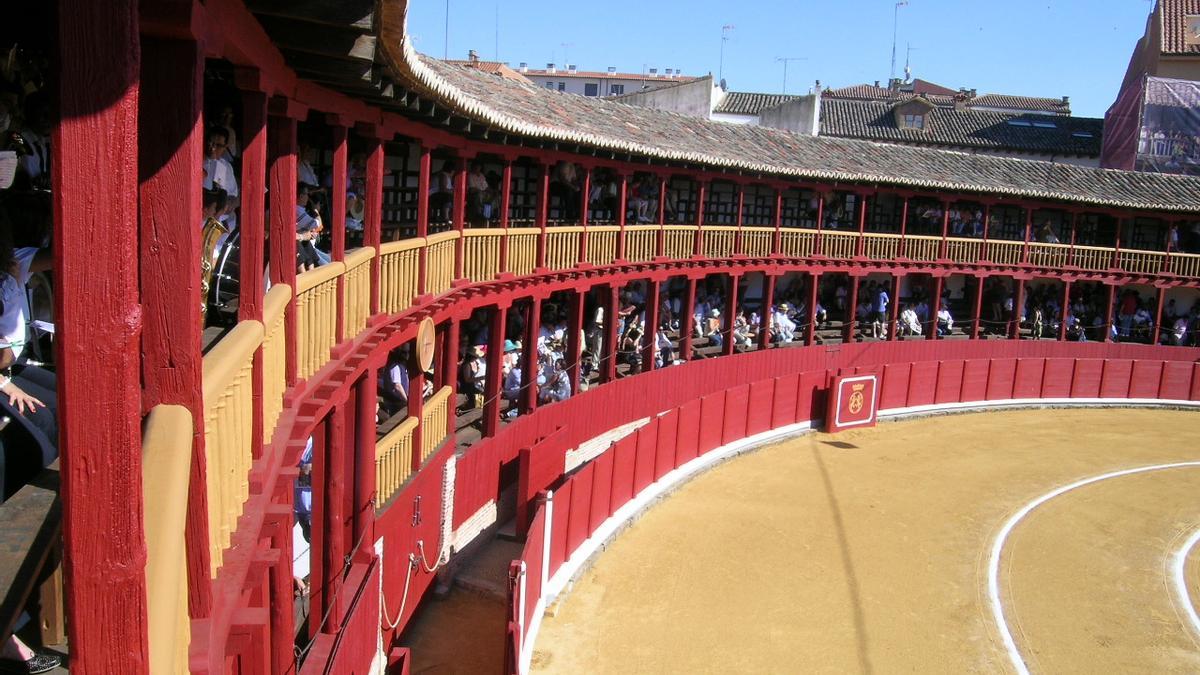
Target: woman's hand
x=17 y=397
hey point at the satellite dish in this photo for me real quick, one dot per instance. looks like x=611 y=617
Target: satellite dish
x=723 y=87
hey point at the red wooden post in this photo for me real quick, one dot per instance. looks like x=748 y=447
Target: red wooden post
x=281 y=141
x=860 y=245
x=902 y=250
x=584 y=195
x=946 y=230
x=373 y=209
x=460 y=216
x=574 y=343
x=1018 y=309
x=935 y=307
x=529 y=357
x=366 y=396
x=416 y=407
x=688 y=323
x=170 y=150
x=424 y=176
x=1108 y=313
x=701 y=195
x=252 y=222
x=333 y=518
x=730 y=311
x=650 y=334
x=661 y=245
x=978 y=308
x=739 y=246
x=1066 y=310
x=282 y=583
x=1028 y=231
x=813 y=297
x=1074 y=227
x=505 y=203
x=622 y=205
x=450 y=372
x=495 y=371
x=1115 y=263
x=609 y=346
x=777 y=237
x=764 y=319
x=337 y=228
x=95 y=173
x=1156 y=329
x=851 y=317
x=543 y=212
x=894 y=305
x=820 y=224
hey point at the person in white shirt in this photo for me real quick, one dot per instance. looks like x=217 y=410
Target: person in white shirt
x=218 y=172
x=945 y=321
x=909 y=322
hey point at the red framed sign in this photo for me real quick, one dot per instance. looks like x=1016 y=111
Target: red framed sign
x=852 y=403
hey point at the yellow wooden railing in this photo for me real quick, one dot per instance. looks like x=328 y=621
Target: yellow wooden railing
x=718 y=241
x=795 y=243
x=356 y=291
x=602 y=244
x=439 y=259
x=166 y=468
x=316 y=317
x=1005 y=252
x=228 y=426
x=921 y=247
x=562 y=247
x=434 y=421
x=1185 y=264
x=757 y=241
x=839 y=245
x=394 y=460
x=1048 y=255
x=963 y=250
x=522 y=250
x=641 y=242
x=399 y=267
x=680 y=241
x=881 y=246
x=481 y=255
x=274 y=356
x=1092 y=258
x=1140 y=262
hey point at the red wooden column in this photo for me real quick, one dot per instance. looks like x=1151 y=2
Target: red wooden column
x=170 y=154
x=1066 y=309
x=363 y=515
x=529 y=357
x=820 y=223
x=252 y=222
x=661 y=246
x=495 y=371
x=935 y=307
x=650 y=334
x=688 y=323
x=1156 y=331
x=337 y=205
x=739 y=246
x=945 y=230
x=1018 y=307
x=701 y=196
x=860 y=245
x=1028 y=231
x=730 y=311
x=987 y=218
x=975 y=320
x=281 y=152
x=574 y=337
x=777 y=237
x=764 y=319
x=505 y=203
x=813 y=296
x=373 y=207
x=851 y=317
x=1116 y=256
x=902 y=249
x=331 y=521
x=416 y=407
x=622 y=205
x=543 y=211
x=608 y=346
x=1071 y=250
x=460 y=215
x=894 y=305
x=95 y=180
x=424 y=176
x=584 y=194
x=1108 y=313
x=449 y=365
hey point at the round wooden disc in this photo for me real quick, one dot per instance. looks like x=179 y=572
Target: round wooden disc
x=426 y=343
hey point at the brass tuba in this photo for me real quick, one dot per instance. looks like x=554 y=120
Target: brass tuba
x=212 y=233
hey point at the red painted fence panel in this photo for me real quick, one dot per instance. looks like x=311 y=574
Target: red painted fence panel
x=894 y=390
x=736 y=401
x=643 y=468
x=561 y=516
x=1028 y=381
x=535 y=540
x=975 y=380
x=1087 y=378
x=1114 y=382
x=922 y=381
x=712 y=412
x=1001 y=373
x=1176 y=382
x=1145 y=379
x=602 y=477
x=949 y=382
x=624 y=461
x=687 y=443
x=760 y=406
x=810 y=398
x=581 y=506
x=784 y=401
x=1056 y=378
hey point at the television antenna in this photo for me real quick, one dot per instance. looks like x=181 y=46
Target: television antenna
x=895 y=25
x=785 y=60
x=725 y=30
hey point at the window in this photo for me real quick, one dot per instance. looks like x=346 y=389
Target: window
x=1083 y=134
x=616 y=89
x=549 y=85
x=591 y=89
x=562 y=86
x=1041 y=124
x=1019 y=123
x=914 y=121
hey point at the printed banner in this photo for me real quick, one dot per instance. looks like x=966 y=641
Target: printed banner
x=853 y=402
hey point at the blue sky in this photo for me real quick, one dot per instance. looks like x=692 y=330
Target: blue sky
x=1053 y=48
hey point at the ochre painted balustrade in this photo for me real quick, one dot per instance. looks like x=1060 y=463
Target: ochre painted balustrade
x=434 y=421
x=316 y=316
x=393 y=460
x=356 y=290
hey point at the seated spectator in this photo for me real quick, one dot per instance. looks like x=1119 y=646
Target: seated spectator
x=394 y=381
x=557 y=386
x=441 y=193
x=480 y=198
x=472 y=373
x=909 y=323
x=224 y=120
x=566 y=185
x=308 y=230
x=218 y=172
x=743 y=332
x=945 y=322
x=1046 y=234
x=712 y=327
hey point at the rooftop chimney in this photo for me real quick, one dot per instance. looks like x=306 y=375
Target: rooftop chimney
x=818 y=87
x=1066 y=100
x=612 y=70
x=473 y=56
x=524 y=67
x=550 y=68
x=654 y=72
x=571 y=67
x=876 y=84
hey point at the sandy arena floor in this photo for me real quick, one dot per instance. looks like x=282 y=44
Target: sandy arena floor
x=869 y=551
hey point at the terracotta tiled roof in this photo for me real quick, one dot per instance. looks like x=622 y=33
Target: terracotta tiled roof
x=747 y=103
x=1041 y=134
x=1173 y=26
x=922 y=87
x=490 y=67
x=596 y=74
x=533 y=112
x=1050 y=105
x=867 y=92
